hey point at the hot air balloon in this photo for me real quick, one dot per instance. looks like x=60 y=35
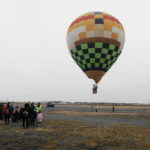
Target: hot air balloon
x=95 y=41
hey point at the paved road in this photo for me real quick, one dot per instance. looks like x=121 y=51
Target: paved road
x=98 y=120
x=86 y=108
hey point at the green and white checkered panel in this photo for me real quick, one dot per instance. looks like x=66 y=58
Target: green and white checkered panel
x=95 y=56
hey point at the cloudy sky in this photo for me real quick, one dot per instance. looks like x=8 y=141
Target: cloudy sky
x=35 y=63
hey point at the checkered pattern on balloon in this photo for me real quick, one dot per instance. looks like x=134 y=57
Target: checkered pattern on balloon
x=95 y=41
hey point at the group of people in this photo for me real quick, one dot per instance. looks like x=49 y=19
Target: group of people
x=96 y=107
x=29 y=114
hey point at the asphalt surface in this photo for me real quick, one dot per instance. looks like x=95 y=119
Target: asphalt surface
x=80 y=108
x=140 y=117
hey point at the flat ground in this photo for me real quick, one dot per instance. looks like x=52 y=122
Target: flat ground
x=79 y=127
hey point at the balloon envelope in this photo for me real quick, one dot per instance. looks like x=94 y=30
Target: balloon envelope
x=95 y=40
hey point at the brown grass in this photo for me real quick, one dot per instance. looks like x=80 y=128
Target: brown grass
x=73 y=135
x=85 y=137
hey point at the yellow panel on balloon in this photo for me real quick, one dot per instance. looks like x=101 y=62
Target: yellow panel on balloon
x=98 y=16
x=107 y=25
x=90 y=27
x=82 y=35
x=114 y=36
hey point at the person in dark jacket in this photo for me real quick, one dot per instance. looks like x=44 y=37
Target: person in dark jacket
x=16 y=114
x=25 y=116
x=33 y=114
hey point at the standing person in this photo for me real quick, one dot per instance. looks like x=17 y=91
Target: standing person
x=40 y=106
x=25 y=116
x=39 y=117
x=16 y=114
x=7 y=114
x=96 y=108
x=32 y=106
x=33 y=114
x=113 y=108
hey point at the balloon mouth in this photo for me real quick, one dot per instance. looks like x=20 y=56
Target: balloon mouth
x=96 y=75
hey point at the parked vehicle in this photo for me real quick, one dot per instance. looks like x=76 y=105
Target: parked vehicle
x=50 y=104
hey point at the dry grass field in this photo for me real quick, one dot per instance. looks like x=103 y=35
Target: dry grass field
x=66 y=130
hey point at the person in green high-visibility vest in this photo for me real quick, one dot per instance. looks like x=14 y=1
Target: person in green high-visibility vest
x=38 y=108
x=39 y=117
x=96 y=107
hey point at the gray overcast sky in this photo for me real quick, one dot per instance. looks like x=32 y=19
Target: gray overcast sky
x=35 y=63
